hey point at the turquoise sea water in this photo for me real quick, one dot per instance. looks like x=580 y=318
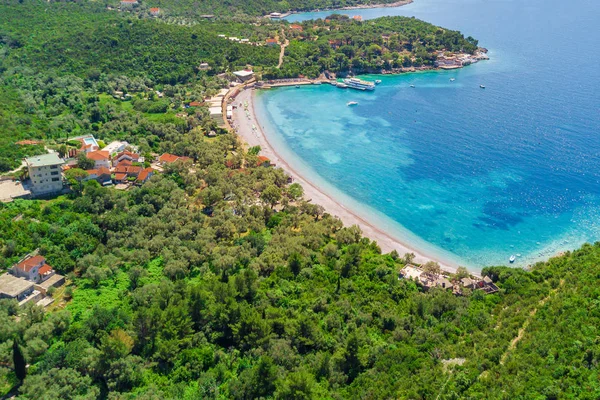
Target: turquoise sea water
x=476 y=173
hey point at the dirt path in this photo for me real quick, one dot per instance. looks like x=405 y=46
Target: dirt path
x=283 y=46
x=521 y=333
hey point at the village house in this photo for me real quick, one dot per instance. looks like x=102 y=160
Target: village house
x=45 y=173
x=296 y=28
x=100 y=158
x=167 y=158
x=33 y=268
x=203 y=66
x=357 y=18
x=88 y=143
x=126 y=155
x=101 y=175
x=271 y=42
x=263 y=161
x=194 y=104
x=244 y=75
x=124 y=172
x=12 y=287
x=144 y=175
x=155 y=11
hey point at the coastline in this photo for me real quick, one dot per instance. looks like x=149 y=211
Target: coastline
x=348 y=8
x=243 y=124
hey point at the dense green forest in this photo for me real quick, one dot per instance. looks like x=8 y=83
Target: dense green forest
x=219 y=281
x=193 y=286
x=190 y=8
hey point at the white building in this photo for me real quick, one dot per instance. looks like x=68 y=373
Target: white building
x=244 y=75
x=100 y=158
x=216 y=113
x=45 y=173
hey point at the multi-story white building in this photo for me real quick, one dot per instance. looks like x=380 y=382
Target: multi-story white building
x=45 y=173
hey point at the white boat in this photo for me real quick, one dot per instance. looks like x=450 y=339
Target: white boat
x=341 y=85
x=359 y=84
x=512 y=259
x=452 y=79
x=316 y=82
x=377 y=81
x=352 y=103
x=412 y=86
x=297 y=86
x=482 y=86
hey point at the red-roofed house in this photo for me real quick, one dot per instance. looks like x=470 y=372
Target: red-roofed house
x=101 y=175
x=125 y=156
x=272 y=42
x=100 y=158
x=357 y=18
x=263 y=161
x=195 y=104
x=33 y=268
x=145 y=175
x=296 y=27
x=334 y=44
x=155 y=11
x=171 y=158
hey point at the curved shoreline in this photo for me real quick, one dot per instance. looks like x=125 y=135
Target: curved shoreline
x=252 y=137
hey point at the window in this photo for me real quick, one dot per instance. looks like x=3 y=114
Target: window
x=54 y=173
x=54 y=167
x=55 y=179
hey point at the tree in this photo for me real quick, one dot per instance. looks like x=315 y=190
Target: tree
x=432 y=267
x=409 y=258
x=83 y=162
x=295 y=191
x=462 y=272
x=271 y=195
x=75 y=177
x=19 y=361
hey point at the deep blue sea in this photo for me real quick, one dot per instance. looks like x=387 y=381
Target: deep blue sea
x=478 y=174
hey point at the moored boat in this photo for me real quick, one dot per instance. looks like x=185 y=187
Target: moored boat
x=352 y=103
x=482 y=86
x=377 y=81
x=512 y=259
x=341 y=85
x=359 y=84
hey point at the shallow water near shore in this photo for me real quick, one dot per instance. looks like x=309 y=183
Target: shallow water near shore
x=477 y=173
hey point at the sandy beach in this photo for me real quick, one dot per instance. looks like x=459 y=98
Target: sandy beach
x=243 y=124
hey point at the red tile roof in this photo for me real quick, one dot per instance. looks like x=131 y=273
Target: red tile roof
x=171 y=158
x=262 y=160
x=296 y=27
x=195 y=104
x=271 y=40
x=45 y=269
x=154 y=9
x=120 y=177
x=27 y=264
x=98 y=155
x=127 y=153
x=145 y=174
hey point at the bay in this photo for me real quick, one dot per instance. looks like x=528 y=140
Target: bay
x=476 y=173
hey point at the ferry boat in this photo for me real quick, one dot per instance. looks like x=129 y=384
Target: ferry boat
x=512 y=259
x=341 y=85
x=352 y=103
x=359 y=84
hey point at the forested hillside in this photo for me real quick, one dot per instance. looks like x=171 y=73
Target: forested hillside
x=217 y=280
x=220 y=9
x=192 y=286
